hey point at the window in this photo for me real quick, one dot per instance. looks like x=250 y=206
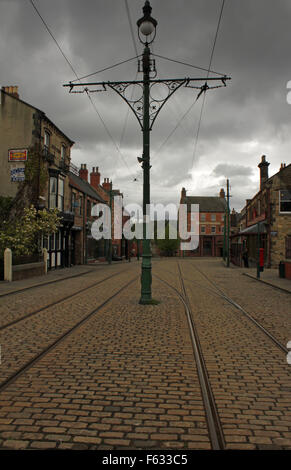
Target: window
x=203 y=229
x=61 y=195
x=88 y=208
x=213 y=229
x=285 y=200
x=288 y=247
x=63 y=152
x=73 y=200
x=53 y=192
x=222 y=229
x=213 y=217
x=80 y=205
x=46 y=140
x=203 y=217
x=56 y=196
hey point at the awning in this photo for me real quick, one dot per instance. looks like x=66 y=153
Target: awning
x=253 y=229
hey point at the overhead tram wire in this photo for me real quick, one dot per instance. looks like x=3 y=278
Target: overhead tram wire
x=137 y=56
x=189 y=65
x=204 y=97
x=78 y=79
x=208 y=70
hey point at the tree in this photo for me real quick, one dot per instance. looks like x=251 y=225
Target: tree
x=168 y=246
x=22 y=234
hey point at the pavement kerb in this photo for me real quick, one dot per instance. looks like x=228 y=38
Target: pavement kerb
x=266 y=282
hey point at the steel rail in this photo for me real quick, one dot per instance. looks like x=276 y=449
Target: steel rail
x=35 y=312
x=61 y=338
x=248 y=315
x=212 y=417
x=34 y=286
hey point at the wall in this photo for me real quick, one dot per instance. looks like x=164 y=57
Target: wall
x=16 y=128
x=281 y=223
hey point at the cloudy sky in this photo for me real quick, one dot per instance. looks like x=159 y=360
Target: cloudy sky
x=249 y=118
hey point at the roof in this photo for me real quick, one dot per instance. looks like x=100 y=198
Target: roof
x=78 y=183
x=253 y=229
x=207 y=203
x=40 y=111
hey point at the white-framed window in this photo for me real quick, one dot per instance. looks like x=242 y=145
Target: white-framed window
x=47 y=139
x=213 y=217
x=53 y=192
x=203 y=229
x=285 y=200
x=61 y=194
x=56 y=196
x=213 y=229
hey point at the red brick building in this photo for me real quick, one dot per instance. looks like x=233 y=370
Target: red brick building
x=211 y=223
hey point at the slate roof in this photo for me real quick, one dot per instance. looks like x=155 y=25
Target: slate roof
x=85 y=187
x=207 y=203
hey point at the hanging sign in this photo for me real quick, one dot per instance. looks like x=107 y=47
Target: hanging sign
x=17 y=155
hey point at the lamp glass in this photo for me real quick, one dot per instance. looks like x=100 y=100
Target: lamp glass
x=147 y=28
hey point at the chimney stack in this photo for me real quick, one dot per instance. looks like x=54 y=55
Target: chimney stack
x=83 y=172
x=106 y=184
x=263 y=171
x=95 y=177
x=12 y=90
x=183 y=194
x=222 y=193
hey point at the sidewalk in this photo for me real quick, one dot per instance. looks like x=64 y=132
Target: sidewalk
x=52 y=276
x=269 y=276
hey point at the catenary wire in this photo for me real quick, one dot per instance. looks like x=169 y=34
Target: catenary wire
x=189 y=65
x=191 y=106
x=78 y=79
x=204 y=97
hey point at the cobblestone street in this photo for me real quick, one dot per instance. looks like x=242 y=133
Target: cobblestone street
x=84 y=366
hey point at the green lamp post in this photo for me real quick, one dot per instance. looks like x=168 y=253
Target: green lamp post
x=146 y=33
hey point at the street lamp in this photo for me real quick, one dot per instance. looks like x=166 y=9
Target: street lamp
x=146 y=109
x=146 y=27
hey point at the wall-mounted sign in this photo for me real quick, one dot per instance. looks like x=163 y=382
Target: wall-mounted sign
x=17 y=174
x=17 y=155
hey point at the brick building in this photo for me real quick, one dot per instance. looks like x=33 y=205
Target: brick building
x=102 y=191
x=270 y=209
x=211 y=223
x=32 y=146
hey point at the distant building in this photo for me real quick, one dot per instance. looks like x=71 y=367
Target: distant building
x=268 y=212
x=211 y=223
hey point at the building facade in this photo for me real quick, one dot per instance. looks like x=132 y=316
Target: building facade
x=265 y=220
x=211 y=223
x=35 y=159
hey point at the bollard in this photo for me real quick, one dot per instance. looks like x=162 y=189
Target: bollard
x=45 y=258
x=8 y=265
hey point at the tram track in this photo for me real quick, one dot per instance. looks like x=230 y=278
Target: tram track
x=52 y=304
x=36 y=358
x=244 y=312
x=35 y=286
x=212 y=417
